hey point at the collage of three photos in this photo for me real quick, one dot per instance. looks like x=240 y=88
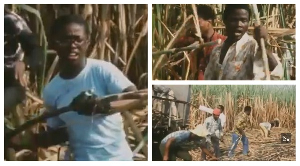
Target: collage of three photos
x=76 y=82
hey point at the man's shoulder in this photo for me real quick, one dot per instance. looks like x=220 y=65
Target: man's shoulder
x=209 y=118
x=248 y=39
x=96 y=62
x=181 y=132
x=240 y=116
x=100 y=64
x=266 y=123
x=52 y=85
x=220 y=36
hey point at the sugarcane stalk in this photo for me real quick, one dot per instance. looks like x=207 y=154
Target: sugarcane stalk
x=122 y=102
x=174 y=100
x=196 y=21
x=262 y=44
x=171 y=43
x=194 y=46
x=135 y=130
x=140 y=145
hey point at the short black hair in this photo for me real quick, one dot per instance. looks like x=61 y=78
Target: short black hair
x=221 y=107
x=206 y=12
x=276 y=123
x=247 y=108
x=64 y=20
x=231 y=7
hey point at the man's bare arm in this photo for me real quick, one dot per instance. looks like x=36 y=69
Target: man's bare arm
x=168 y=145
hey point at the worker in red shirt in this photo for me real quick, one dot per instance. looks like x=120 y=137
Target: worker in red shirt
x=200 y=58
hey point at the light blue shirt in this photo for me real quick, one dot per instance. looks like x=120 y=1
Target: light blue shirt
x=180 y=136
x=91 y=138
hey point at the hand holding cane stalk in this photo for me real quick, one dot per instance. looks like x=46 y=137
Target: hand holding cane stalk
x=262 y=44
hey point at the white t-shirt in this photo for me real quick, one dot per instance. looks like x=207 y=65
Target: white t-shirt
x=91 y=138
x=267 y=125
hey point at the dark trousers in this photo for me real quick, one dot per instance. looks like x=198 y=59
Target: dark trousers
x=216 y=145
x=178 y=151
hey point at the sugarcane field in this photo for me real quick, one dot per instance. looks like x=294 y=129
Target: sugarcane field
x=224 y=123
x=223 y=42
x=76 y=82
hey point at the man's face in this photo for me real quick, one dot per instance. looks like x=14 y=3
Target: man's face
x=237 y=23
x=248 y=112
x=204 y=25
x=71 y=44
x=216 y=117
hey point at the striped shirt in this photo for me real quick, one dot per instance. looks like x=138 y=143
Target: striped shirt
x=242 y=121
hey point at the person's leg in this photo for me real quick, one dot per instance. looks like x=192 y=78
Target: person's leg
x=203 y=154
x=161 y=150
x=235 y=138
x=172 y=156
x=245 y=145
x=173 y=153
x=264 y=131
x=216 y=144
x=183 y=154
x=205 y=149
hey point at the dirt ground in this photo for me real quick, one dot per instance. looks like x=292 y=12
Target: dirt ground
x=269 y=149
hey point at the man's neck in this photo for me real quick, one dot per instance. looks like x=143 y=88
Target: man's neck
x=71 y=71
x=206 y=37
x=229 y=41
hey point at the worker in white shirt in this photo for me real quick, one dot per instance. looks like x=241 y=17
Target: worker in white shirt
x=215 y=133
x=266 y=127
x=209 y=110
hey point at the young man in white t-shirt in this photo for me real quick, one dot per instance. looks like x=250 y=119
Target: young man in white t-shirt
x=266 y=127
x=91 y=138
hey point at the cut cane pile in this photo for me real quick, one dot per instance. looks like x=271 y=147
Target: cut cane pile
x=269 y=149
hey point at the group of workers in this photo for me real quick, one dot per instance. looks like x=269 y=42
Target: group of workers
x=210 y=133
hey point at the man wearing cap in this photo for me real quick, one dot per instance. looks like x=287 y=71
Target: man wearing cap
x=170 y=146
x=240 y=124
x=222 y=116
x=215 y=133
